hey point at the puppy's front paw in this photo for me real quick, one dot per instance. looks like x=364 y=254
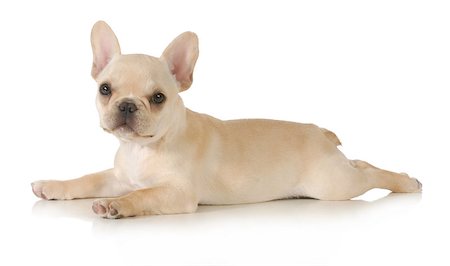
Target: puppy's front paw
x=110 y=208
x=49 y=190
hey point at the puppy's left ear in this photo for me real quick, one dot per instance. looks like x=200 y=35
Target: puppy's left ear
x=181 y=55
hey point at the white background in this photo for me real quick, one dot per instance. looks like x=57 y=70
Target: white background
x=374 y=72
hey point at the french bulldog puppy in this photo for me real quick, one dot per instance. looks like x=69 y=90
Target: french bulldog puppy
x=172 y=159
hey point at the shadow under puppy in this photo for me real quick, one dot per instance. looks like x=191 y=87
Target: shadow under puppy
x=171 y=159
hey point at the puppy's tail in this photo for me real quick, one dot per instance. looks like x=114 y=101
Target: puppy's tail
x=331 y=136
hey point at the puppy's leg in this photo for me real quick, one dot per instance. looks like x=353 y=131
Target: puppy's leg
x=158 y=200
x=379 y=178
x=102 y=184
x=346 y=179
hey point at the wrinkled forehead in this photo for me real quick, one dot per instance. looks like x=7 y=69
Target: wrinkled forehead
x=136 y=73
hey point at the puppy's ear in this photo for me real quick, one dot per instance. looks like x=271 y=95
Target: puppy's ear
x=104 y=46
x=181 y=55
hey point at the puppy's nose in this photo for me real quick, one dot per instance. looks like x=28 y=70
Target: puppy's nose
x=127 y=108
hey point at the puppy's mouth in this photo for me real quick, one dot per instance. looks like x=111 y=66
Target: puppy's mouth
x=125 y=130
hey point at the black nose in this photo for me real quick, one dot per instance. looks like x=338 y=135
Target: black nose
x=127 y=107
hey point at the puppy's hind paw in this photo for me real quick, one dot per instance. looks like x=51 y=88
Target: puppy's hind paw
x=414 y=185
x=419 y=184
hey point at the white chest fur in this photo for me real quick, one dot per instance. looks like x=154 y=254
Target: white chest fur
x=140 y=166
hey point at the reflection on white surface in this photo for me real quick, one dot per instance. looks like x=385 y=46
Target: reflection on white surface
x=302 y=210
x=284 y=232
x=299 y=212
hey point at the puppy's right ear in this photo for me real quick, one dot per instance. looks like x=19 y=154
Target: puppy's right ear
x=104 y=46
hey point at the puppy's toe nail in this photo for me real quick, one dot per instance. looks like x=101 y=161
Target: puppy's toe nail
x=419 y=184
x=98 y=208
x=37 y=190
x=113 y=212
x=44 y=196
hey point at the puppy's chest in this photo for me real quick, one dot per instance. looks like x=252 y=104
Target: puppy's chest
x=140 y=167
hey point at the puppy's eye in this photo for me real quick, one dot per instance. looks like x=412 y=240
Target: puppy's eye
x=158 y=98
x=105 y=89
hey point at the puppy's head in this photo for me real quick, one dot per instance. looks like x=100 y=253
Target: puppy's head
x=137 y=97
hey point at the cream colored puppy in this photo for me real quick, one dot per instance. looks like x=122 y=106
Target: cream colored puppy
x=171 y=159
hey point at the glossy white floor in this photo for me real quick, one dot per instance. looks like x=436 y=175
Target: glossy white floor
x=378 y=229
x=374 y=72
